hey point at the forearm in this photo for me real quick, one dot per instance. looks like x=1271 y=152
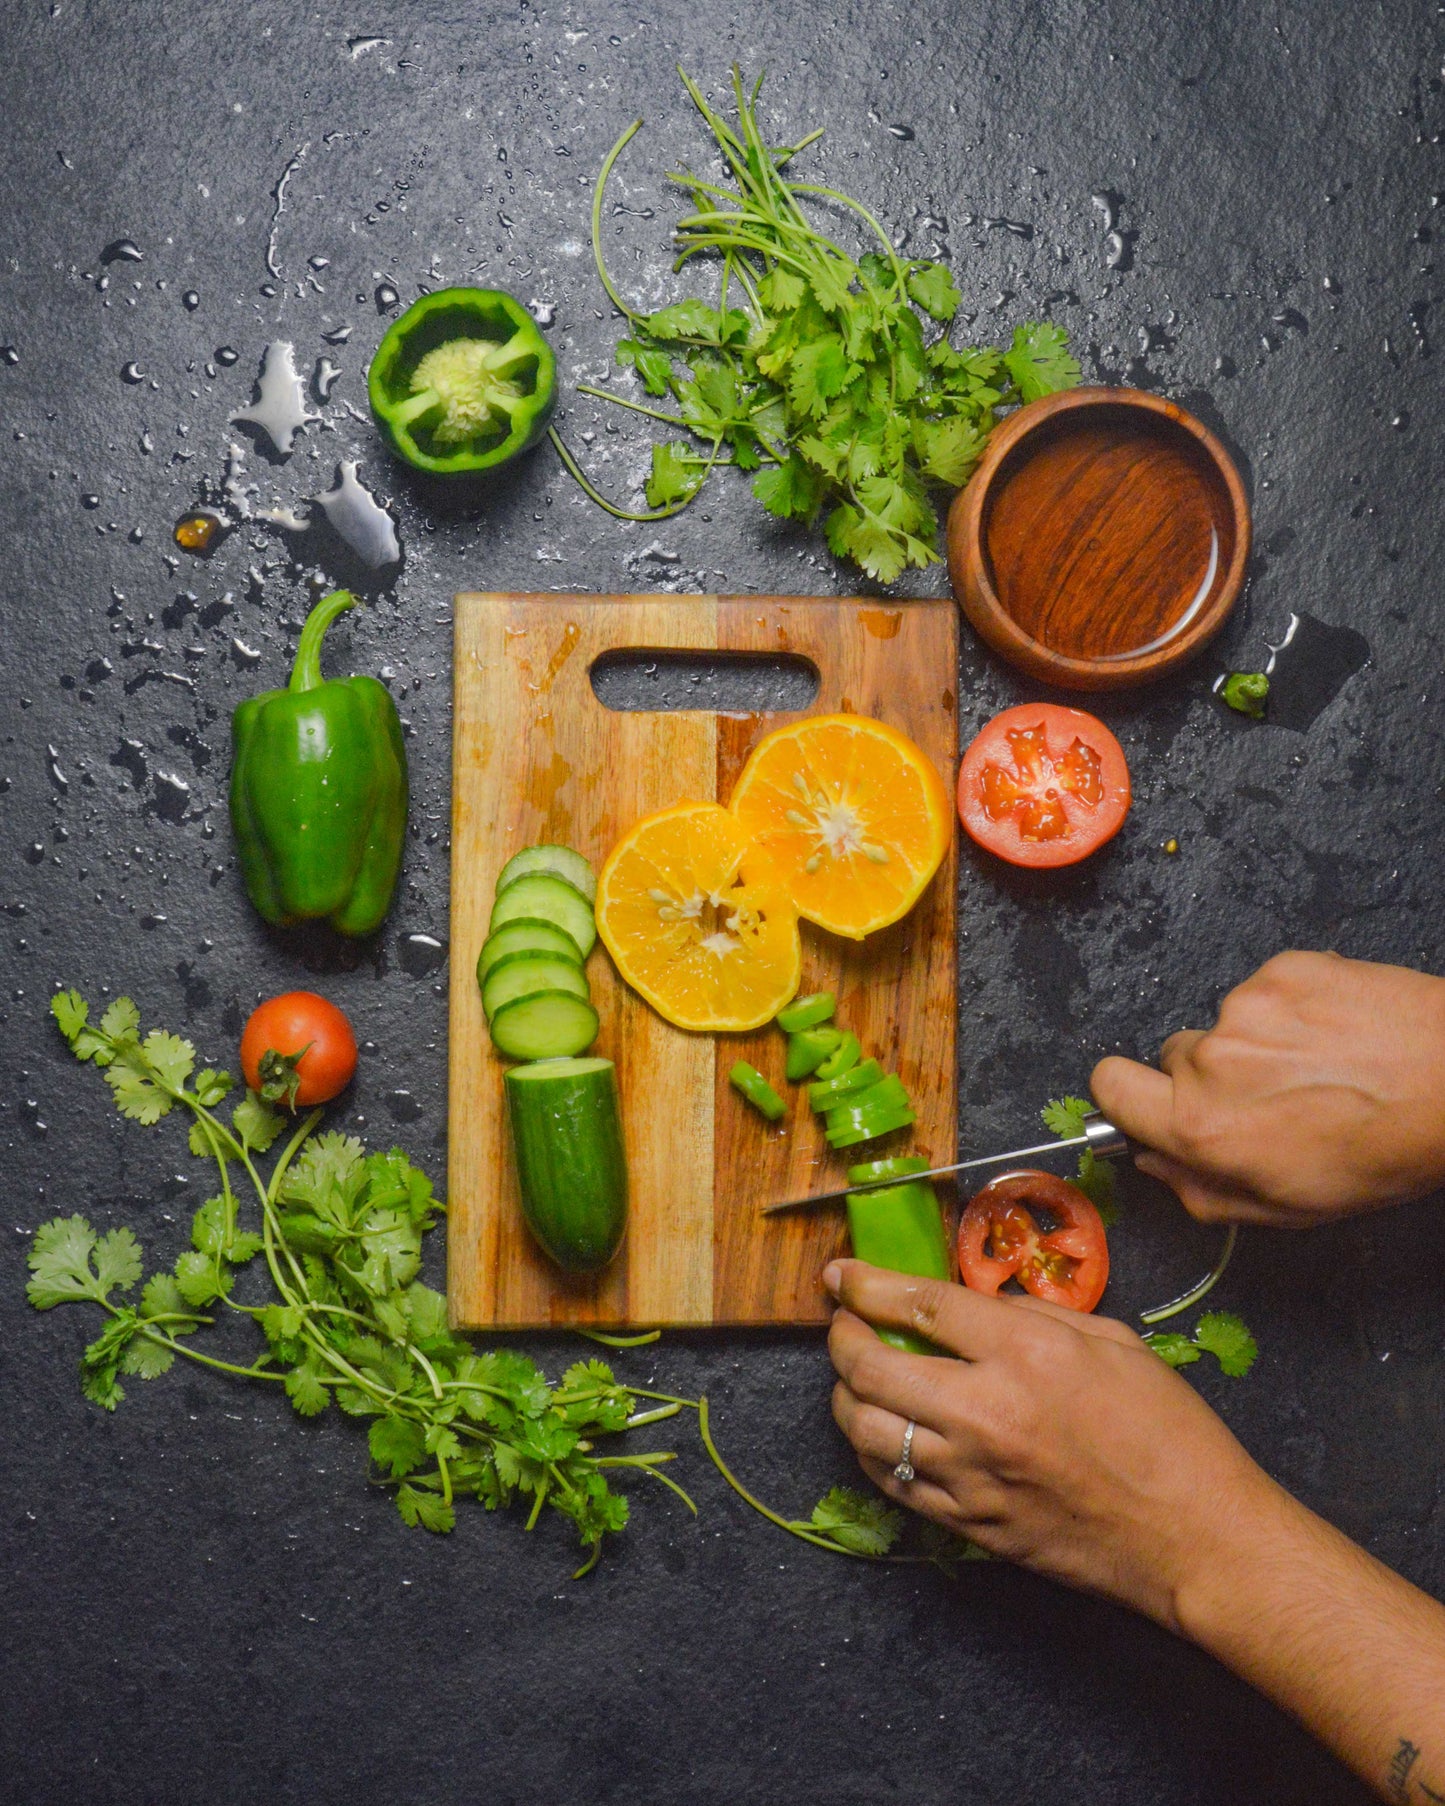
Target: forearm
x=1330 y=1634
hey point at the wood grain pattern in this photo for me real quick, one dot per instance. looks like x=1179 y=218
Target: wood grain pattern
x=537 y=757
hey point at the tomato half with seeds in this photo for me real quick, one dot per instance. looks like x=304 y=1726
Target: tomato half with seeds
x=1040 y=1230
x=298 y=1050
x=1043 y=785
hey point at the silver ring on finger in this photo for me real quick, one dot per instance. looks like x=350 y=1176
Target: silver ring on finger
x=905 y=1470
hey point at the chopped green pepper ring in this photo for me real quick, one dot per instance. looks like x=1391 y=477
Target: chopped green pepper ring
x=463 y=381
x=897 y=1166
x=887 y=1094
x=808 y=1049
x=844 y=1057
x=756 y=1089
x=869 y=1125
x=900 y=1229
x=827 y=1092
x=807 y=1012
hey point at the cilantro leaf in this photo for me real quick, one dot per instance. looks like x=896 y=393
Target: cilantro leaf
x=1228 y=1340
x=200 y=1277
x=789 y=490
x=651 y=362
x=162 y=1297
x=1039 y=361
x=211 y=1086
x=816 y=372
x=397 y=1444
x=869 y=1526
x=61 y=1267
x=949 y=449
x=145 y=1358
x=425 y=1509
x=1170 y=1346
x=121 y=1021
x=303 y=1387
x=934 y=290
x=1064 y=1116
x=100 y=1361
x=133 y=1083
x=256 y=1124
x=676 y=473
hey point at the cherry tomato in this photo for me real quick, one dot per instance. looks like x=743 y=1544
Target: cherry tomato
x=1000 y=1237
x=298 y=1050
x=1043 y=785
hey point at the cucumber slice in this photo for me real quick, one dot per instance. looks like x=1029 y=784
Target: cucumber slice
x=544 y=1026
x=571 y=1166
x=523 y=974
x=552 y=899
x=526 y=935
x=562 y=862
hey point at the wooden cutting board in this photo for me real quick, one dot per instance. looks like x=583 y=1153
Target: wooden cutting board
x=538 y=758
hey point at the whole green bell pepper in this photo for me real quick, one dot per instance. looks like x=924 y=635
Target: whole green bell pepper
x=463 y=381
x=319 y=791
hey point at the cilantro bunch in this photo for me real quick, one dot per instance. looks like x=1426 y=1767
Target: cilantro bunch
x=343 y=1320
x=815 y=370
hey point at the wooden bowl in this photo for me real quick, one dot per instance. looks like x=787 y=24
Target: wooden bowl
x=1102 y=540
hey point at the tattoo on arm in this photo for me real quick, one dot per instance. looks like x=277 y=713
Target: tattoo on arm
x=1400 y=1777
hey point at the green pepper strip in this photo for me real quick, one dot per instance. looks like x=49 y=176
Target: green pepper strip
x=807 y=1012
x=844 y=1057
x=808 y=1050
x=756 y=1089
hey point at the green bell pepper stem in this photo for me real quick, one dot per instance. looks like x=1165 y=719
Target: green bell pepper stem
x=306 y=670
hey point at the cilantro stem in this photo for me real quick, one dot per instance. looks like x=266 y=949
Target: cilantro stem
x=647 y=1465
x=598 y=192
x=634 y=407
x=194 y=1354
x=589 y=489
x=426 y=1367
x=639 y=1418
x=1203 y=1289
x=608 y=1340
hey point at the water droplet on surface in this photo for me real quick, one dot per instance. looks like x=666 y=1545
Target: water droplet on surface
x=34 y=853
x=903 y=132
x=386 y=297
x=319 y=263
x=9 y=355
x=1308 y=669
x=227 y=355
x=338 y=335
x=173 y=796
x=359 y=519
x=324 y=378
x=360 y=46
x=57 y=776
x=422 y=954
x=403 y=1106
x=1108 y=205
x=132 y=373
x=199 y=532
x=122 y=250
x=543 y=312
x=244 y=654
x=1400 y=421
x=90 y=501
x=280 y=406
x=1118 y=250
x=1017 y=228
x=190 y=300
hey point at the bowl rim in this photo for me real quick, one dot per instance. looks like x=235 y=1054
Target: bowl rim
x=972 y=579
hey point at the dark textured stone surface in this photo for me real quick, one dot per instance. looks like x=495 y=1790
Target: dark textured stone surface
x=203 y=1598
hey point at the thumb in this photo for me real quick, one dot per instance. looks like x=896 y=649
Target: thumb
x=1136 y=1099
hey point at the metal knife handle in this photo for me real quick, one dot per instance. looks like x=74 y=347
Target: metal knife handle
x=1103 y=1139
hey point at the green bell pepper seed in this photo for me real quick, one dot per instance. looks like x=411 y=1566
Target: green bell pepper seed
x=808 y=1050
x=807 y=1012
x=844 y=1057
x=756 y=1089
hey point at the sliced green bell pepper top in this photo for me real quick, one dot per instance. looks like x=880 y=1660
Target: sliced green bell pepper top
x=463 y=381
x=319 y=792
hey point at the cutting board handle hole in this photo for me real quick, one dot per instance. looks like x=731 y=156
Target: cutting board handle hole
x=643 y=679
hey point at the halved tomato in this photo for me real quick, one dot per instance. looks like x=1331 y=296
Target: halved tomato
x=1000 y=1237
x=1043 y=785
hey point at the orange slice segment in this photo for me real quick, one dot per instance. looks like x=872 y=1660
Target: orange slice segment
x=847 y=816
x=706 y=949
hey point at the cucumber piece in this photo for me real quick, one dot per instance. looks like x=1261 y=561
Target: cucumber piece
x=562 y=862
x=544 y=896
x=524 y=974
x=527 y=934
x=544 y=1026
x=897 y=1166
x=571 y=1165
x=806 y=1012
x=827 y=1092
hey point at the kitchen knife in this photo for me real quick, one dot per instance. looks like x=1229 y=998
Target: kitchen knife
x=1100 y=1137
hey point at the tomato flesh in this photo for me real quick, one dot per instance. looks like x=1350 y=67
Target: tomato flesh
x=1043 y=785
x=1000 y=1238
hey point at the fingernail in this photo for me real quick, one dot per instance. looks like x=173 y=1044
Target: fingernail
x=833 y=1277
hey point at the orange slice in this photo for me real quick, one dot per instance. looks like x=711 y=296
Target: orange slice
x=848 y=817
x=705 y=949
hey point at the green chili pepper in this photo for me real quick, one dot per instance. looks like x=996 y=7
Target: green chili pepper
x=319 y=791
x=844 y=1057
x=865 y=1115
x=900 y=1228
x=463 y=381
x=807 y=1012
x=808 y=1050
x=897 y=1166
x=756 y=1089
x=827 y=1092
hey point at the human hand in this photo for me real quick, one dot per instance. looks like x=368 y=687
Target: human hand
x=1319 y=1092
x=1058 y=1440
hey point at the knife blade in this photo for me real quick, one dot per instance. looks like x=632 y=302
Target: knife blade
x=1100 y=1137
